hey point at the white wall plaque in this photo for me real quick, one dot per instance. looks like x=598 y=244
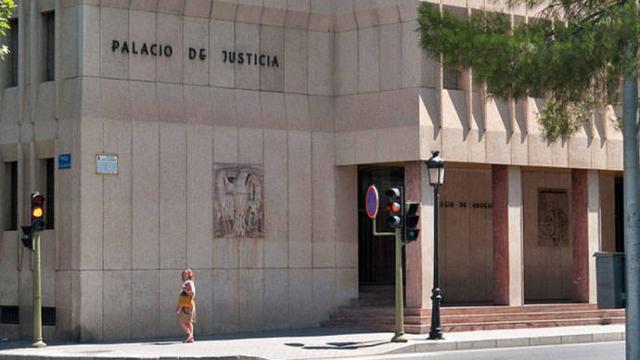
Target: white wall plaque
x=107 y=164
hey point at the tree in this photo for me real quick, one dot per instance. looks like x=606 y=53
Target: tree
x=576 y=52
x=6 y=8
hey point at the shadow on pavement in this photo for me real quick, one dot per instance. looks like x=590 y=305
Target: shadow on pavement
x=350 y=345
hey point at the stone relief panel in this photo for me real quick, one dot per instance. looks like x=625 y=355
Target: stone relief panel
x=238 y=200
x=553 y=218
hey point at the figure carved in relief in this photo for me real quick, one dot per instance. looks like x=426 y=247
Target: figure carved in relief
x=239 y=202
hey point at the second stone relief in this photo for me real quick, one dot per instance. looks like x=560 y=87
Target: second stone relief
x=553 y=218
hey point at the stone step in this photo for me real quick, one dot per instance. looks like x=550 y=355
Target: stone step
x=478 y=318
x=481 y=318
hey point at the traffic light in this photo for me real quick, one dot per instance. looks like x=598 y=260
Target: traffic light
x=27 y=239
x=394 y=207
x=37 y=212
x=411 y=221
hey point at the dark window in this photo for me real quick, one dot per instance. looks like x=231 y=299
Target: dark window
x=9 y=315
x=450 y=78
x=12 y=174
x=48 y=24
x=50 y=193
x=49 y=316
x=14 y=49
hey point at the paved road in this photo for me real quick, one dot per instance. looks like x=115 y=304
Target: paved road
x=595 y=351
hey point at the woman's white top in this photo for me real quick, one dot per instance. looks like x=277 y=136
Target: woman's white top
x=193 y=286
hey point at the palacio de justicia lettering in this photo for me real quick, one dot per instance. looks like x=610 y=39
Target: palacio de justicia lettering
x=238 y=138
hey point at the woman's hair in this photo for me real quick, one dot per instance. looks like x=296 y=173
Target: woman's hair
x=190 y=274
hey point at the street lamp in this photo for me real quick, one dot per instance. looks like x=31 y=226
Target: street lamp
x=435 y=167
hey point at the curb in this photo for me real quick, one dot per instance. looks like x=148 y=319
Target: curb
x=59 y=357
x=498 y=343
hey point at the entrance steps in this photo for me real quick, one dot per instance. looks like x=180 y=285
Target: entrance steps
x=470 y=318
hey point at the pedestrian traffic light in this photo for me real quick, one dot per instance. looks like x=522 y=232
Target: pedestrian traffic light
x=27 y=239
x=411 y=221
x=37 y=212
x=394 y=207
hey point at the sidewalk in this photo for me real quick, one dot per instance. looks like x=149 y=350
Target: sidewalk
x=312 y=344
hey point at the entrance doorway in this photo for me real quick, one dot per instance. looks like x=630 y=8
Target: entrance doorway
x=376 y=258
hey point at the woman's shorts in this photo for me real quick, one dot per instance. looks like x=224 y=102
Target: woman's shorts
x=185 y=316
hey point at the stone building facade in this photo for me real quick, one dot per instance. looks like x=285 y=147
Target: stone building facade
x=242 y=130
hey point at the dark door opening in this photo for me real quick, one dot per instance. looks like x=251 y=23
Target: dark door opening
x=619 y=214
x=376 y=258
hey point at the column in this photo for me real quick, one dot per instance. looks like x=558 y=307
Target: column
x=507 y=235
x=419 y=253
x=585 y=212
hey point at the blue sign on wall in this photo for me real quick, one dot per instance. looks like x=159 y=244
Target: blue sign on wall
x=64 y=161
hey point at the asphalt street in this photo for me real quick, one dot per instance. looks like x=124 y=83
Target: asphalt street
x=593 y=351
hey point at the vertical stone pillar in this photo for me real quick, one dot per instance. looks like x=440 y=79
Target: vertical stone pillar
x=585 y=219
x=507 y=235
x=419 y=253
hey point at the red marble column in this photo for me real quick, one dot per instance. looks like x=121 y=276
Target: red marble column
x=414 y=288
x=500 y=197
x=579 y=223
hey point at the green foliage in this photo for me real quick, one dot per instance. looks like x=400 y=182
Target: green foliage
x=578 y=62
x=6 y=8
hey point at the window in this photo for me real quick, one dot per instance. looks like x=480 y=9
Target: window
x=49 y=42
x=450 y=78
x=48 y=316
x=10 y=190
x=9 y=315
x=13 y=55
x=50 y=193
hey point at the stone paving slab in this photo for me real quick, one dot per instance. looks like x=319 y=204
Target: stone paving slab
x=310 y=344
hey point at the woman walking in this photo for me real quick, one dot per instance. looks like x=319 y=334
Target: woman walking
x=186 y=308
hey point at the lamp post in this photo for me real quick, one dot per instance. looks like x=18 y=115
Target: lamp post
x=435 y=167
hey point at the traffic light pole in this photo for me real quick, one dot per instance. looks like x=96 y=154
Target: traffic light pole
x=399 y=332
x=399 y=335
x=37 y=294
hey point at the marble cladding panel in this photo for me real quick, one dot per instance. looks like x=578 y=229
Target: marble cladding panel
x=272 y=43
x=142 y=27
x=200 y=193
x=145 y=172
x=368 y=60
x=196 y=51
x=114 y=31
x=544 y=263
x=465 y=251
x=300 y=211
x=391 y=57
x=89 y=62
x=170 y=33
x=226 y=301
x=117 y=243
x=300 y=296
x=9 y=277
x=323 y=211
x=276 y=199
x=455 y=127
x=173 y=196
x=295 y=61
x=145 y=304
x=91 y=188
x=251 y=299
x=324 y=284
x=320 y=63
x=246 y=45
x=222 y=38
x=346 y=63
x=117 y=290
x=276 y=298
x=91 y=305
